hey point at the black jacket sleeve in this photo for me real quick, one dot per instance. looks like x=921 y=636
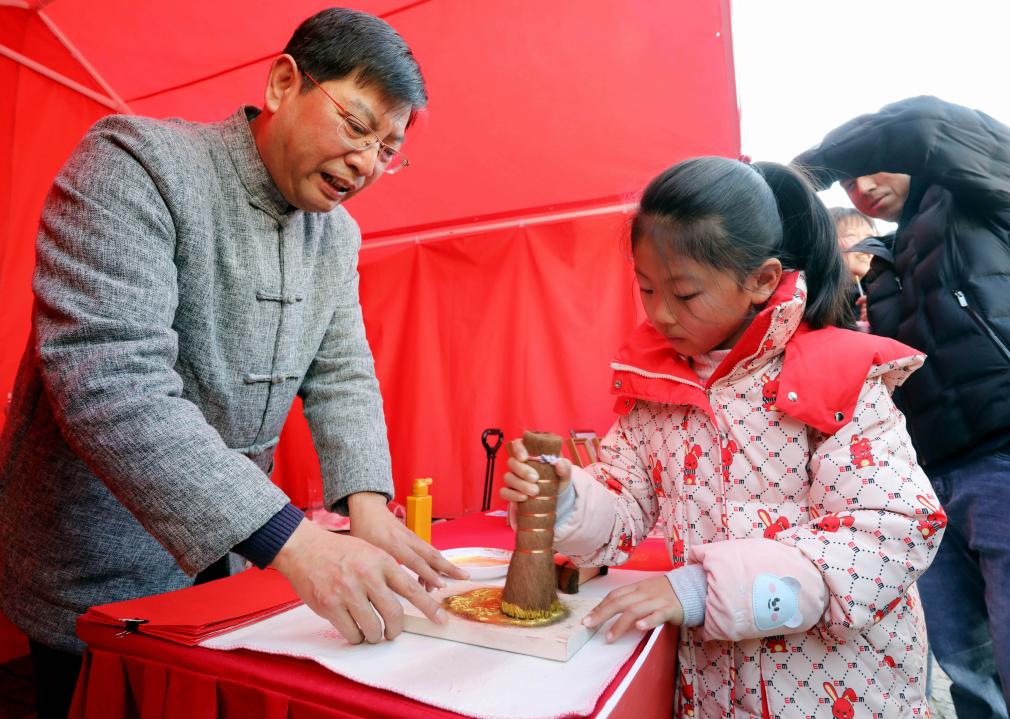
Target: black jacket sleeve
x=963 y=150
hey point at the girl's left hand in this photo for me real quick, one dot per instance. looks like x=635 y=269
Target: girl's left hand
x=645 y=604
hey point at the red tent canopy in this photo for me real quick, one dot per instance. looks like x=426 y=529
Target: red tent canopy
x=494 y=285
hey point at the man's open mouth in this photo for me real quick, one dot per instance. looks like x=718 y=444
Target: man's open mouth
x=336 y=183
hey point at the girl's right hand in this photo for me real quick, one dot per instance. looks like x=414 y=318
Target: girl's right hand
x=520 y=480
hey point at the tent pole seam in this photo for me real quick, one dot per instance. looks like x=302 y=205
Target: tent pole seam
x=57 y=77
x=197 y=81
x=76 y=54
x=403 y=8
x=242 y=66
x=474 y=229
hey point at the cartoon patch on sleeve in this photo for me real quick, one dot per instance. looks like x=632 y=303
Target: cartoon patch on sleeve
x=776 y=602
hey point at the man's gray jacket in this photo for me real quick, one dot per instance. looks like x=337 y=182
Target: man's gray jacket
x=180 y=305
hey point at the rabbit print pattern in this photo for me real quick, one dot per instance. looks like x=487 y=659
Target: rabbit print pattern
x=811 y=538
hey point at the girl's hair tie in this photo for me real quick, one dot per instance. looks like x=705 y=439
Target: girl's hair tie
x=545 y=459
x=745 y=159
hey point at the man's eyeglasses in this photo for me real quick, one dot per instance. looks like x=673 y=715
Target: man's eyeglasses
x=359 y=136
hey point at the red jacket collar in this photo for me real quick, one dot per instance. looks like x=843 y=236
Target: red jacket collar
x=824 y=369
x=647 y=352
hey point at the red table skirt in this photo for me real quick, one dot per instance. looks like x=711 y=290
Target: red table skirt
x=143 y=676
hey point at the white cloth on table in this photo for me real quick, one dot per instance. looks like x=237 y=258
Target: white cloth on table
x=466 y=679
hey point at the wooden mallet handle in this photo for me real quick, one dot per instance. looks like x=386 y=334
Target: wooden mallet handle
x=531 y=586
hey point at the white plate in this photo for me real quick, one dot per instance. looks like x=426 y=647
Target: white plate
x=480 y=562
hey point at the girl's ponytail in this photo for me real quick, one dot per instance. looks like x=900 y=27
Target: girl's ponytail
x=810 y=243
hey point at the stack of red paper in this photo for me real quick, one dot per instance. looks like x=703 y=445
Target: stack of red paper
x=189 y=616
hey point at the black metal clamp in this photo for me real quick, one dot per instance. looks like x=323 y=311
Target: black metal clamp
x=491 y=450
x=131 y=626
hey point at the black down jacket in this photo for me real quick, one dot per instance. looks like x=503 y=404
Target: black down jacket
x=948 y=290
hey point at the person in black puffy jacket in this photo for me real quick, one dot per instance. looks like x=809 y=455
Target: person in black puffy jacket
x=942 y=172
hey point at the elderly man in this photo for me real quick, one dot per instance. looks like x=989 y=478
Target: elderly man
x=942 y=172
x=191 y=281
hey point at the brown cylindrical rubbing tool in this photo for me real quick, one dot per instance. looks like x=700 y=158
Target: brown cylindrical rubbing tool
x=531 y=586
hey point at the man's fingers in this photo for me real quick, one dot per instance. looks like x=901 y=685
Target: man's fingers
x=419 y=557
x=439 y=563
x=340 y=618
x=452 y=570
x=400 y=583
x=416 y=563
x=390 y=609
x=436 y=561
x=360 y=608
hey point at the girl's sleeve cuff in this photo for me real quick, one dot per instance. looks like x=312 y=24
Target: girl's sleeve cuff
x=565 y=506
x=691 y=586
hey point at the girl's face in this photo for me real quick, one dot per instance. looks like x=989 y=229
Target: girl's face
x=699 y=308
x=851 y=232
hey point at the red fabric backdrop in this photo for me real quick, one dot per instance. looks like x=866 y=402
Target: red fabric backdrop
x=534 y=109
x=511 y=328
x=40 y=123
x=531 y=112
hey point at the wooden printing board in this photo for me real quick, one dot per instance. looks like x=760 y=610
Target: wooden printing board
x=558 y=641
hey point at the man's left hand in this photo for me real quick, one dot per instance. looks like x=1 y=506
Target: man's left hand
x=372 y=521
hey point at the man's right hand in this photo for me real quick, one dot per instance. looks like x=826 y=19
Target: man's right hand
x=351 y=583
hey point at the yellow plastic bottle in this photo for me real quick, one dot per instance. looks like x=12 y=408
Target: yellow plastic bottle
x=419 y=509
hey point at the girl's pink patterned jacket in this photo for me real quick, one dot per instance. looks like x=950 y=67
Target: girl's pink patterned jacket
x=790 y=478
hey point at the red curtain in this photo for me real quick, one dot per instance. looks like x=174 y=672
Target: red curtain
x=27 y=168
x=512 y=329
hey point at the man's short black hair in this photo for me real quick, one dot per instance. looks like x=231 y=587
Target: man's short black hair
x=338 y=42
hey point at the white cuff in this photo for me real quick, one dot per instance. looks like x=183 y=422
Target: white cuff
x=691 y=586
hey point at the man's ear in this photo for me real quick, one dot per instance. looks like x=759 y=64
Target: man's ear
x=765 y=280
x=283 y=81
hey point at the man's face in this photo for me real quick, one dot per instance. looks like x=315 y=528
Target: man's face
x=309 y=160
x=881 y=195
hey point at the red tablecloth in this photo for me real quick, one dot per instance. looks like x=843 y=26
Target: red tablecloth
x=143 y=676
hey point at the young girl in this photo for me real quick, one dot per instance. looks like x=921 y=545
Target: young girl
x=852 y=227
x=766 y=436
